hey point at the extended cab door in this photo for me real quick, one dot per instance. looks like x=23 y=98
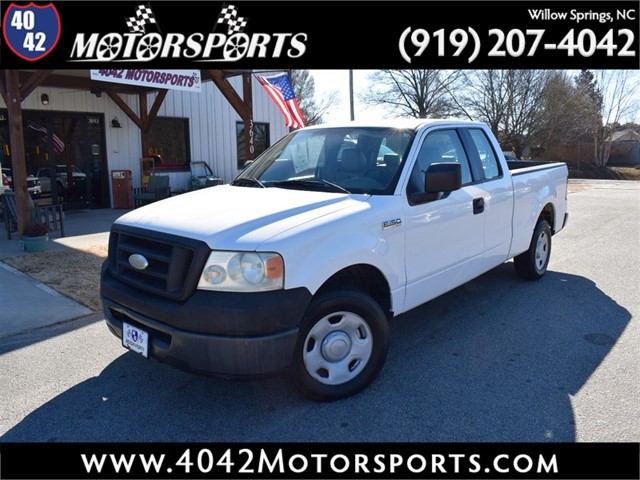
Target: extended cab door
x=496 y=187
x=445 y=237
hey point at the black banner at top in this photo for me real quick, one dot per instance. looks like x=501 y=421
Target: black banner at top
x=315 y=34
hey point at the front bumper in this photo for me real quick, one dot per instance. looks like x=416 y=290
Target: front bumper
x=215 y=333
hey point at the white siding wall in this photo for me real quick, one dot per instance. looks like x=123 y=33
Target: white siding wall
x=212 y=124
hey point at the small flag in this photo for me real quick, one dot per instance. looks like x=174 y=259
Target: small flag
x=280 y=90
x=144 y=16
x=229 y=16
x=58 y=144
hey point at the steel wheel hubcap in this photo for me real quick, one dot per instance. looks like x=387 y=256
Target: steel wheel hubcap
x=337 y=348
x=542 y=251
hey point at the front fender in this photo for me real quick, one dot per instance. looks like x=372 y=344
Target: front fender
x=316 y=252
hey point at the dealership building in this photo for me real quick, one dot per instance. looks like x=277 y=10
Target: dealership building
x=102 y=122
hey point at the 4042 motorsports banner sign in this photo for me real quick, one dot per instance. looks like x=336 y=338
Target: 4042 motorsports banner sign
x=377 y=34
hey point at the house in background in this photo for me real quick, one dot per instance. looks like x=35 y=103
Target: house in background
x=625 y=148
x=95 y=127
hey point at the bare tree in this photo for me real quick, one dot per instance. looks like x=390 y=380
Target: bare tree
x=485 y=98
x=560 y=112
x=620 y=90
x=510 y=101
x=569 y=112
x=413 y=93
x=304 y=89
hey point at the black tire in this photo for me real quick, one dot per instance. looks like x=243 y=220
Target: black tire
x=532 y=264
x=341 y=347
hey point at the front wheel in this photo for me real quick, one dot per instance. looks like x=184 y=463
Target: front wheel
x=342 y=345
x=532 y=264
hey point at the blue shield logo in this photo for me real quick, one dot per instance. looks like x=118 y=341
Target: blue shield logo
x=31 y=31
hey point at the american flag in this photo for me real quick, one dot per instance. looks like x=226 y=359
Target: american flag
x=280 y=90
x=144 y=16
x=229 y=15
x=58 y=144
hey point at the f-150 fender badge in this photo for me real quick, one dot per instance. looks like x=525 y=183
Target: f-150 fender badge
x=387 y=224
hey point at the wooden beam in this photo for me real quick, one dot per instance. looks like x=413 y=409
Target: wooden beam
x=125 y=108
x=155 y=108
x=33 y=82
x=218 y=77
x=16 y=136
x=144 y=140
x=146 y=118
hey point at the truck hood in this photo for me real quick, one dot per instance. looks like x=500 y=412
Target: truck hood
x=237 y=218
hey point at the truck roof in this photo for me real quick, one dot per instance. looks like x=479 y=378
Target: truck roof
x=411 y=123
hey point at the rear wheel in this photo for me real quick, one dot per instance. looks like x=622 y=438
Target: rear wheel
x=342 y=345
x=532 y=264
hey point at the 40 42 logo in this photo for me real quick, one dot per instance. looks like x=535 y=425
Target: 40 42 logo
x=31 y=31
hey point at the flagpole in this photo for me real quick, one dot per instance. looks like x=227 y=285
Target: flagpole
x=353 y=115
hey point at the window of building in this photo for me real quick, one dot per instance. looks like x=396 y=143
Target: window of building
x=169 y=139
x=260 y=140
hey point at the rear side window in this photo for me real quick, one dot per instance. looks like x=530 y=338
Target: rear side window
x=488 y=157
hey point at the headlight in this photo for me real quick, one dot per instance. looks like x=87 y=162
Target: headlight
x=242 y=272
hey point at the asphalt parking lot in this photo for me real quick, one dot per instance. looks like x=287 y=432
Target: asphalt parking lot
x=496 y=360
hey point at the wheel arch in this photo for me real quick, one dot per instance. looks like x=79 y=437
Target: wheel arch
x=365 y=278
x=548 y=214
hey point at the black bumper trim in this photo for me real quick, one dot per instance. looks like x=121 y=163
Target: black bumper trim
x=213 y=313
x=246 y=356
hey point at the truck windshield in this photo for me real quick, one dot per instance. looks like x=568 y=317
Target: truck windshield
x=344 y=159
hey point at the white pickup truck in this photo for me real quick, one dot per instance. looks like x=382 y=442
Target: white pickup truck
x=303 y=260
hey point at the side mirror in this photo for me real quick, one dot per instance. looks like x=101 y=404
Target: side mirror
x=439 y=179
x=443 y=177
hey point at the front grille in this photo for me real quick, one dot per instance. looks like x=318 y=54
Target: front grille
x=174 y=263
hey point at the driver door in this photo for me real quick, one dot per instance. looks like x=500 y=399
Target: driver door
x=445 y=237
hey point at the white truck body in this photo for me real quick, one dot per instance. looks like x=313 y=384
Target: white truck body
x=400 y=246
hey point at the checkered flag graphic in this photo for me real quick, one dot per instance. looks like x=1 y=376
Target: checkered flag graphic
x=229 y=16
x=144 y=16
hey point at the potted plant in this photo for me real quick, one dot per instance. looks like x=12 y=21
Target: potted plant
x=35 y=237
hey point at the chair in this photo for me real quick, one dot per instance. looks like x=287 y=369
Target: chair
x=385 y=172
x=352 y=164
x=392 y=161
x=50 y=215
x=157 y=189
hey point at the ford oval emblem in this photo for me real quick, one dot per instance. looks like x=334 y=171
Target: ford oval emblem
x=139 y=262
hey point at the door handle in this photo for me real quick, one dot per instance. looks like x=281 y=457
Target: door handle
x=478 y=205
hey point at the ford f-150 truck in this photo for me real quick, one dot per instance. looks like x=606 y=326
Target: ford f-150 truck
x=303 y=260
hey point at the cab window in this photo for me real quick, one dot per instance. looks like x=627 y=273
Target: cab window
x=439 y=146
x=490 y=165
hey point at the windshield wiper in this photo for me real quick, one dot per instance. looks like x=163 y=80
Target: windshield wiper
x=311 y=183
x=248 y=182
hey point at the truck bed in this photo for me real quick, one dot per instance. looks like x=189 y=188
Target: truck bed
x=521 y=166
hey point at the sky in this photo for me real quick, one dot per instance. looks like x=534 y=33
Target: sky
x=327 y=81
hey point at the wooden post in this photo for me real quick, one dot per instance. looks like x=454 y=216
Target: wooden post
x=144 y=141
x=247 y=94
x=16 y=136
x=242 y=106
